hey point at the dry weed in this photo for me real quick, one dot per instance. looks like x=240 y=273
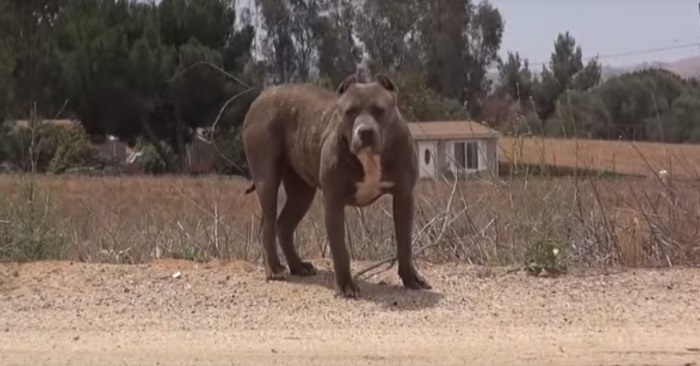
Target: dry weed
x=136 y=219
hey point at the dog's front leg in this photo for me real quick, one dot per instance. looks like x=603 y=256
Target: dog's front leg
x=403 y=210
x=334 y=212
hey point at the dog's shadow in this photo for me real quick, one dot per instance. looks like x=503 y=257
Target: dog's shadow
x=388 y=295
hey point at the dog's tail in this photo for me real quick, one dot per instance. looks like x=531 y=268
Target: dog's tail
x=250 y=188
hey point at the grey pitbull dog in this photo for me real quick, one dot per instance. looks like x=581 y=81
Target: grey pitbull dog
x=353 y=145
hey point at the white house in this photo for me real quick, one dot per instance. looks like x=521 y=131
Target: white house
x=455 y=148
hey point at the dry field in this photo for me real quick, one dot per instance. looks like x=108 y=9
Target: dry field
x=622 y=157
x=166 y=271
x=590 y=221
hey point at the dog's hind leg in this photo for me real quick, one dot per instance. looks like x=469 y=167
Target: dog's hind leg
x=299 y=198
x=267 y=178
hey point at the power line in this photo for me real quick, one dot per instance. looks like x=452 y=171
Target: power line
x=633 y=53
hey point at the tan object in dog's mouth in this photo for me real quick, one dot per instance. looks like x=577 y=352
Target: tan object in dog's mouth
x=371 y=163
x=371 y=186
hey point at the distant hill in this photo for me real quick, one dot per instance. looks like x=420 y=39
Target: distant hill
x=685 y=68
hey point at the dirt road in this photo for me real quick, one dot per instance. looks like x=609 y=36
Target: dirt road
x=58 y=313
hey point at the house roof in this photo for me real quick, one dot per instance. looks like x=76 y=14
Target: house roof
x=23 y=123
x=450 y=130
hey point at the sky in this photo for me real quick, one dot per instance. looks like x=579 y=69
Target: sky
x=602 y=27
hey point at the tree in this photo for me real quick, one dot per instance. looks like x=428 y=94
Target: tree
x=389 y=32
x=118 y=60
x=459 y=42
x=682 y=122
x=450 y=44
x=306 y=26
x=566 y=71
x=7 y=58
x=293 y=35
x=445 y=46
x=515 y=79
x=589 y=76
x=418 y=102
x=338 y=54
x=34 y=66
x=652 y=104
x=200 y=31
x=485 y=36
x=113 y=65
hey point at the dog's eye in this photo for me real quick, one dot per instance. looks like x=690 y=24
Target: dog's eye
x=377 y=111
x=352 y=112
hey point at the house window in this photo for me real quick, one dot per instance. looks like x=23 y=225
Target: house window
x=466 y=155
x=426 y=156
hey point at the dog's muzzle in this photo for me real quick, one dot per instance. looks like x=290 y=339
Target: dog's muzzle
x=364 y=137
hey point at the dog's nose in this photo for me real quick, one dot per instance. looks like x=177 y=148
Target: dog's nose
x=366 y=136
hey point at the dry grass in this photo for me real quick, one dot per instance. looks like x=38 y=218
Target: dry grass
x=591 y=221
x=542 y=222
x=622 y=157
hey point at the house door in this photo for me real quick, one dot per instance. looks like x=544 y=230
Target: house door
x=427 y=159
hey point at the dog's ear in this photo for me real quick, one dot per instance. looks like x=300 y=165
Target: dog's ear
x=387 y=83
x=345 y=84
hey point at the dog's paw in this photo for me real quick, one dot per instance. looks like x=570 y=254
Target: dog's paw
x=305 y=269
x=414 y=281
x=276 y=274
x=348 y=289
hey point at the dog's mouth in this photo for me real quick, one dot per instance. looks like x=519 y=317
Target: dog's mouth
x=365 y=151
x=358 y=147
x=359 y=150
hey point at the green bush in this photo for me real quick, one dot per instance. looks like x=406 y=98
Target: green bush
x=4 y=143
x=47 y=148
x=544 y=257
x=27 y=148
x=151 y=161
x=417 y=102
x=652 y=105
x=29 y=226
x=74 y=149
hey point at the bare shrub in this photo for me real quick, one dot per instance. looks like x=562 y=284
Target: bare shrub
x=592 y=221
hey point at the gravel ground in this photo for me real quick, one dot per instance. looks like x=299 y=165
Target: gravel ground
x=61 y=313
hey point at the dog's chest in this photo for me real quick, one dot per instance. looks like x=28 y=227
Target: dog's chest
x=371 y=186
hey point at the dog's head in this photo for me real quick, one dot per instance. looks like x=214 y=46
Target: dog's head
x=367 y=111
